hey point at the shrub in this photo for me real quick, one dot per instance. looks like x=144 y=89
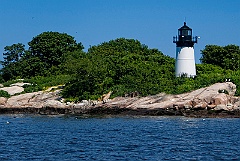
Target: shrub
x=4 y=94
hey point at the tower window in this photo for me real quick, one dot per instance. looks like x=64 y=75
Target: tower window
x=184 y=32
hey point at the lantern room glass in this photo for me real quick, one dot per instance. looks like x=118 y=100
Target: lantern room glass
x=184 y=32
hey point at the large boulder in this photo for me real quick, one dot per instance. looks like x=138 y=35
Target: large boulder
x=13 y=90
x=53 y=104
x=211 y=96
x=24 y=100
x=36 y=100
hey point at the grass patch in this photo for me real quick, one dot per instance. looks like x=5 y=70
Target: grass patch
x=41 y=83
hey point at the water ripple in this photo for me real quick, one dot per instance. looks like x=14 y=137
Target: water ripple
x=29 y=137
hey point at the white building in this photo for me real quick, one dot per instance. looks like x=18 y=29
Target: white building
x=185 y=60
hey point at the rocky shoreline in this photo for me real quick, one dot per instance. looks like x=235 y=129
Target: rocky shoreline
x=217 y=100
x=122 y=112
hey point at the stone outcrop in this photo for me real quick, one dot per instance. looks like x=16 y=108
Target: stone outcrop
x=14 y=88
x=35 y=100
x=207 y=100
x=213 y=101
x=201 y=98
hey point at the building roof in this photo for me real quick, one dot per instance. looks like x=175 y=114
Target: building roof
x=185 y=27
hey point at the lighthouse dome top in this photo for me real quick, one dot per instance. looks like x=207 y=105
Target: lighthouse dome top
x=185 y=27
x=184 y=37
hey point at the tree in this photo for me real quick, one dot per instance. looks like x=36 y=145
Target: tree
x=121 y=46
x=32 y=67
x=12 y=54
x=10 y=61
x=50 y=46
x=71 y=61
x=227 y=57
x=122 y=66
x=45 y=54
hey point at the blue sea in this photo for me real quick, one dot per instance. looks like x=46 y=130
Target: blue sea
x=35 y=137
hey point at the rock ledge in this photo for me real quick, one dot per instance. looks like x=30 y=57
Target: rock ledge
x=217 y=100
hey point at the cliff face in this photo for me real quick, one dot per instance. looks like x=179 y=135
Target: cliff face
x=213 y=101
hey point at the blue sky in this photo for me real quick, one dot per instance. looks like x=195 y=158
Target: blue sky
x=152 y=22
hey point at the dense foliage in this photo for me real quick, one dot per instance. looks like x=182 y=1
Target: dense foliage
x=227 y=57
x=4 y=94
x=121 y=65
x=50 y=46
x=43 y=57
x=11 y=63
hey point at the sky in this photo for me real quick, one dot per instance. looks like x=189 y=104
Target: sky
x=92 y=22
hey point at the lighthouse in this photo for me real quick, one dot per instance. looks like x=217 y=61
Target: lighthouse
x=185 y=60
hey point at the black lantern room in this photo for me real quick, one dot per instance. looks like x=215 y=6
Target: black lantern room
x=184 y=38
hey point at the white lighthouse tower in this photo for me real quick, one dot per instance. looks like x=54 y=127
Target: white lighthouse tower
x=185 y=61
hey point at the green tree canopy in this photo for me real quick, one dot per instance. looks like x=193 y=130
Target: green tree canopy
x=12 y=54
x=227 y=57
x=120 y=45
x=122 y=66
x=10 y=64
x=50 y=46
x=45 y=54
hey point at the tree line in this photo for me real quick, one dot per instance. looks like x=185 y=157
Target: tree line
x=121 y=65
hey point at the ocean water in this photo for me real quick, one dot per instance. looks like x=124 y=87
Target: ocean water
x=32 y=137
